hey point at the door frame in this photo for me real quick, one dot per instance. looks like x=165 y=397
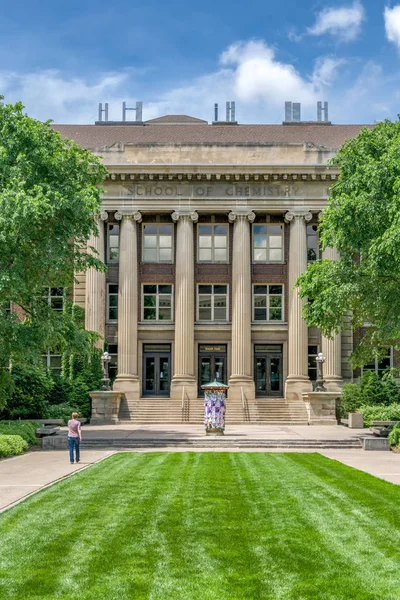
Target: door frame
x=157 y=356
x=268 y=356
x=212 y=354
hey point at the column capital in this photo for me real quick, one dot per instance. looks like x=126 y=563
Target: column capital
x=136 y=216
x=298 y=214
x=185 y=214
x=248 y=215
x=104 y=215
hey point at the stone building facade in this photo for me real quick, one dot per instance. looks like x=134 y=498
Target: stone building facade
x=205 y=229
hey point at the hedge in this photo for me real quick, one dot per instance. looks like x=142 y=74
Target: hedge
x=380 y=413
x=27 y=430
x=12 y=445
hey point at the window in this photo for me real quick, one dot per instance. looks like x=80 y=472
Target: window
x=379 y=366
x=212 y=304
x=312 y=365
x=6 y=306
x=112 y=302
x=157 y=302
x=52 y=362
x=157 y=243
x=212 y=243
x=312 y=243
x=268 y=302
x=113 y=242
x=267 y=243
x=54 y=298
x=113 y=364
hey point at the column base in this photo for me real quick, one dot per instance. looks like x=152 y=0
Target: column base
x=128 y=384
x=237 y=384
x=186 y=383
x=295 y=386
x=333 y=383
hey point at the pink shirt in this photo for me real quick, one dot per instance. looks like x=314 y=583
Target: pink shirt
x=73 y=428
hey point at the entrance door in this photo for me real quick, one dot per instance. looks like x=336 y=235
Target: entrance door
x=156 y=369
x=212 y=365
x=268 y=370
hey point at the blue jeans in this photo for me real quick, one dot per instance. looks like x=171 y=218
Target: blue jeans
x=73 y=443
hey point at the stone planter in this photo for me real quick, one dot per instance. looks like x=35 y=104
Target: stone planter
x=321 y=407
x=105 y=407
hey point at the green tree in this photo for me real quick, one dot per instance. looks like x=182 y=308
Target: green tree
x=362 y=221
x=49 y=191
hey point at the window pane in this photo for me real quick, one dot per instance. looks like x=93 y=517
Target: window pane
x=219 y=301
x=113 y=348
x=260 y=241
x=165 y=289
x=57 y=303
x=150 y=241
x=150 y=229
x=275 y=289
x=114 y=254
x=149 y=301
x=260 y=301
x=165 y=229
x=57 y=292
x=205 y=289
x=260 y=289
x=55 y=362
x=165 y=241
x=205 y=230
x=165 y=254
x=164 y=314
x=114 y=230
x=205 y=254
x=275 y=301
x=113 y=241
x=150 y=255
x=275 y=314
x=260 y=255
x=149 y=314
x=220 y=241
x=260 y=314
x=220 y=314
x=259 y=229
x=220 y=230
x=113 y=289
x=113 y=314
x=204 y=314
x=311 y=255
x=164 y=301
x=205 y=241
x=113 y=300
x=220 y=289
x=150 y=289
x=275 y=255
x=275 y=241
x=204 y=301
x=275 y=229
x=220 y=254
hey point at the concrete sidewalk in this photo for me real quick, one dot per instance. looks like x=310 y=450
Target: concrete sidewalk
x=22 y=475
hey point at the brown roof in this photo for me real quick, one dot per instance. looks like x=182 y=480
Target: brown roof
x=99 y=136
x=176 y=119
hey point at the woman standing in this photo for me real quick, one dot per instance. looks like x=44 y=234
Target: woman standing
x=74 y=437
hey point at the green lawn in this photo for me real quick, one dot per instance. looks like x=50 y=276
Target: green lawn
x=202 y=526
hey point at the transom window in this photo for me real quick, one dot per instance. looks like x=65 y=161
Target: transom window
x=112 y=302
x=267 y=243
x=312 y=365
x=54 y=298
x=312 y=243
x=212 y=302
x=157 y=243
x=268 y=302
x=53 y=362
x=157 y=302
x=212 y=243
x=113 y=242
x=379 y=366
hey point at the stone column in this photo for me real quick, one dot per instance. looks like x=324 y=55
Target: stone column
x=95 y=309
x=332 y=349
x=241 y=365
x=184 y=374
x=297 y=381
x=127 y=379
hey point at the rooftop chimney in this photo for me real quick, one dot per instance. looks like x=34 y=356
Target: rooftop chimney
x=138 y=117
x=230 y=114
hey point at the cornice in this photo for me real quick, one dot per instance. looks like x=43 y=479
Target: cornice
x=236 y=177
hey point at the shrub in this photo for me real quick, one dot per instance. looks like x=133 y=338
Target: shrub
x=60 y=391
x=370 y=390
x=31 y=388
x=350 y=399
x=60 y=411
x=12 y=445
x=394 y=436
x=26 y=430
x=380 y=413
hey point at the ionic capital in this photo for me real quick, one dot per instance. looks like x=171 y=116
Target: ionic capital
x=247 y=215
x=181 y=214
x=104 y=215
x=136 y=216
x=298 y=214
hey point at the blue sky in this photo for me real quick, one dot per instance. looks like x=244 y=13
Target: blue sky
x=62 y=58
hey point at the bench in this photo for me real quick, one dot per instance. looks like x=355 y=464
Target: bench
x=46 y=430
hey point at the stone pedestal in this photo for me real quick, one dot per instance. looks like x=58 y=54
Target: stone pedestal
x=356 y=421
x=297 y=381
x=184 y=380
x=241 y=372
x=105 y=407
x=321 y=407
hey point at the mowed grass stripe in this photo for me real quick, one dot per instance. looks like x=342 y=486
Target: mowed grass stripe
x=204 y=526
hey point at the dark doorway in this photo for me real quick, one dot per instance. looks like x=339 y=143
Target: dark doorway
x=268 y=362
x=156 y=369
x=212 y=364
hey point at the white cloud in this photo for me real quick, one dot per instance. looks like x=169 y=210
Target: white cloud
x=344 y=23
x=392 y=24
x=326 y=70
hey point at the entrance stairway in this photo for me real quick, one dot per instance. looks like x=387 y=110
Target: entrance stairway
x=273 y=411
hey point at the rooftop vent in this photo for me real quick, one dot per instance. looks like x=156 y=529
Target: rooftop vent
x=230 y=114
x=293 y=114
x=104 y=111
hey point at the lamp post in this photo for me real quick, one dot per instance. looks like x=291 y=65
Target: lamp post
x=105 y=359
x=320 y=378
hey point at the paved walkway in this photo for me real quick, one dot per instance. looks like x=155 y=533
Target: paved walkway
x=22 y=475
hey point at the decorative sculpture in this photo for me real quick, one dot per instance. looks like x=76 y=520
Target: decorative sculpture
x=105 y=359
x=320 y=378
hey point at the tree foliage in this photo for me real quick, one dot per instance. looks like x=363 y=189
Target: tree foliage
x=362 y=221
x=49 y=191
